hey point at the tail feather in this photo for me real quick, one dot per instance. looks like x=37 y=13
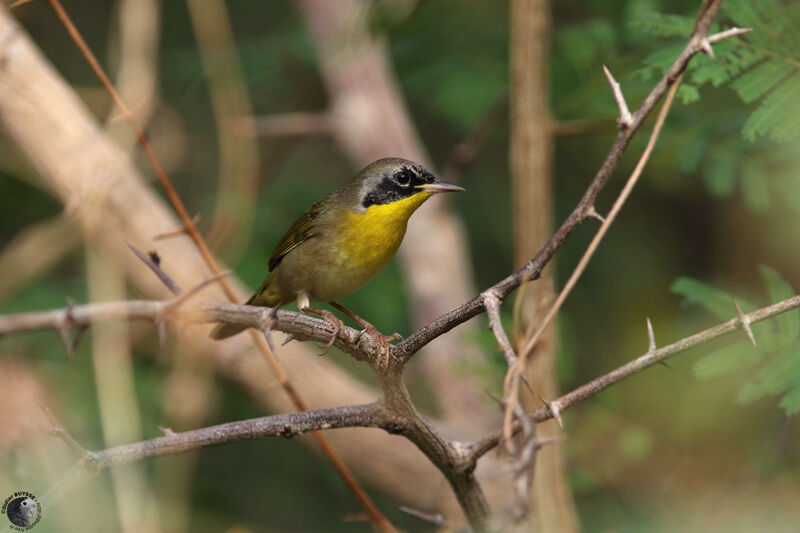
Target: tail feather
x=262 y=297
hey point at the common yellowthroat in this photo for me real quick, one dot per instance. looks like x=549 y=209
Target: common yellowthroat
x=346 y=238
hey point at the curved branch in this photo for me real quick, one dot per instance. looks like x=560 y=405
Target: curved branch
x=697 y=43
x=284 y=425
x=653 y=356
x=160 y=312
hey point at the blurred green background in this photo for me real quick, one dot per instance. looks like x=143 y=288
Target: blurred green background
x=662 y=451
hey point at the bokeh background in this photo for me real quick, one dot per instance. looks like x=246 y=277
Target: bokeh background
x=701 y=445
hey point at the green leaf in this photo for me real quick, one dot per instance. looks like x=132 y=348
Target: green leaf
x=688 y=94
x=750 y=392
x=791 y=401
x=727 y=360
x=777 y=116
x=782 y=372
x=661 y=59
x=780 y=289
x=727 y=66
x=716 y=301
x=757 y=82
x=664 y=24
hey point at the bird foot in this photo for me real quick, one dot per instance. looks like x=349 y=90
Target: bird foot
x=384 y=340
x=330 y=318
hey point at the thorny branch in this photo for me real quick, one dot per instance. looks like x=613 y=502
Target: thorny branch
x=285 y=425
x=374 y=513
x=395 y=412
x=518 y=370
x=648 y=359
x=585 y=208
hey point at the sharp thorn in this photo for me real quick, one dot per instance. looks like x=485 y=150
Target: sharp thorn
x=651 y=346
x=289 y=338
x=268 y=337
x=705 y=46
x=66 y=342
x=592 y=213
x=555 y=410
x=745 y=322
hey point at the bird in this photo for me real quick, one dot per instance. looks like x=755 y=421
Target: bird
x=343 y=241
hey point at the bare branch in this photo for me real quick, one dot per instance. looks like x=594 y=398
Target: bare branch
x=152 y=264
x=480 y=447
x=58 y=430
x=492 y=303
x=435 y=519
x=303 y=327
x=519 y=368
x=444 y=323
x=175 y=233
x=284 y=425
x=211 y=262
x=733 y=32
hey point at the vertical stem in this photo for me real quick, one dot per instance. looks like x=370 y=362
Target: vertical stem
x=531 y=157
x=119 y=412
x=440 y=451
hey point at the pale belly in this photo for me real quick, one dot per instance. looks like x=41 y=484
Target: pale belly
x=352 y=267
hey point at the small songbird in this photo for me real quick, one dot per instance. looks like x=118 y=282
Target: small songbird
x=345 y=239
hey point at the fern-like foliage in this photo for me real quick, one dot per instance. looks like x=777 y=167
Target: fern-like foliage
x=762 y=66
x=775 y=361
x=763 y=69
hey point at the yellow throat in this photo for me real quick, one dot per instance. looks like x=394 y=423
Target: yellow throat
x=370 y=239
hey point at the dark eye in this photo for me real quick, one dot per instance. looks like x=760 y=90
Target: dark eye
x=402 y=178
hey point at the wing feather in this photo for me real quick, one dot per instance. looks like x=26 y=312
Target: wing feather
x=302 y=230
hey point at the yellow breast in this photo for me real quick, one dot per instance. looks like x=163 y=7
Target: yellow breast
x=370 y=239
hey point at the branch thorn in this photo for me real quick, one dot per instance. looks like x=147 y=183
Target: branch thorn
x=732 y=32
x=745 y=322
x=592 y=213
x=651 y=346
x=705 y=46
x=166 y=431
x=183 y=231
x=555 y=410
x=436 y=519
x=289 y=338
x=625 y=118
x=58 y=430
x=152 y=260
x=70 y=342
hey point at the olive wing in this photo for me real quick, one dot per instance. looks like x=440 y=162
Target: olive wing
x=302 y=230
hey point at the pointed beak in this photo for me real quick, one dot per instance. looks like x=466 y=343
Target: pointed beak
x=439 y=186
